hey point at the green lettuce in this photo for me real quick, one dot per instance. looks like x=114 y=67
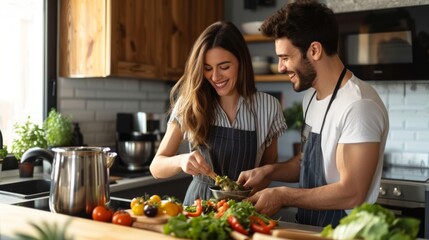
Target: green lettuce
x=373 y=222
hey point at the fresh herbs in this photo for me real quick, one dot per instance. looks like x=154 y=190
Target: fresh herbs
x=58 y=129
x=226 y=184
x=28 y=135
x=3 y=152
x=372 y=221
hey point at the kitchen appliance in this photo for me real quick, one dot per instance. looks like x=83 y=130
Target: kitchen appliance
x=404 y=189
x=137 y=138
x=386 y=44
x=79 y=177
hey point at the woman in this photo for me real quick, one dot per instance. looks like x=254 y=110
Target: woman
x=230 y=126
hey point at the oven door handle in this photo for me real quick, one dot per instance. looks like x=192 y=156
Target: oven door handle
x=400 y=203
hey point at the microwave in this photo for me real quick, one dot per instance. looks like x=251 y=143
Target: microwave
x=386 y=44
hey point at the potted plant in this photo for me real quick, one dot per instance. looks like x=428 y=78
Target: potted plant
x=58 y=129
x=28 y=135
x=3 y=152
x=294 y=119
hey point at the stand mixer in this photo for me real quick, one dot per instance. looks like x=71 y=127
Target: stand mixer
x=137 y=136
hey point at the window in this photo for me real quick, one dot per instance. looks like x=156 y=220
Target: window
x=25 y=65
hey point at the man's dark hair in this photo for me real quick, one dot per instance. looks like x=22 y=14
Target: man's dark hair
x=303 y=22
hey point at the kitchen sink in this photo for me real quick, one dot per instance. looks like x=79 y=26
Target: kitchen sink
x=27 y=189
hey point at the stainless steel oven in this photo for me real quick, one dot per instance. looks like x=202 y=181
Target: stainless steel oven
x=405 y=191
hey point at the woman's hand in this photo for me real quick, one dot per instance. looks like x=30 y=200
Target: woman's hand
x=194 y=164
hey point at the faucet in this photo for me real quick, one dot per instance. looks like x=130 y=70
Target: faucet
x=35 y=153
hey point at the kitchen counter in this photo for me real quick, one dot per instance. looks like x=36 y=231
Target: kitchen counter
x=16 y=219
x=118 y=185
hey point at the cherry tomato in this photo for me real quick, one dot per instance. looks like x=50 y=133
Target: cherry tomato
x=102 y=213
x=122 y=218
x=170 y=208
x=136 y=200
x=150 y=210
x=155 y=199
x=138 y=209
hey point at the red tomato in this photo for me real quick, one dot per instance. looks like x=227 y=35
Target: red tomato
x=122 y=218
x=102 y=213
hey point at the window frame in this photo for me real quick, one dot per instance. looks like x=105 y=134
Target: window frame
x=50 y=75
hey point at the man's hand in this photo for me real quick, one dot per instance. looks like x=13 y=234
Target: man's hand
x=268 y=201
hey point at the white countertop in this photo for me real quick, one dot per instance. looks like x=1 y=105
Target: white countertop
x=11 y=176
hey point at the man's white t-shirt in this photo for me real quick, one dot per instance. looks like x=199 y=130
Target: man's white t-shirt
x=356 y=115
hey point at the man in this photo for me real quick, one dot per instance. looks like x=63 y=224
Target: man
x=346 y=123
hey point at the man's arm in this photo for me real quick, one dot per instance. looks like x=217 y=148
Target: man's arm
x=356 y=163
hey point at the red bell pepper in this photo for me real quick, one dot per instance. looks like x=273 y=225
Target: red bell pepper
x=198 y=209
x=258 y=225
x=222 y=209
x=236 y=226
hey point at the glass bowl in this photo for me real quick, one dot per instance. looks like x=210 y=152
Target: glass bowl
x=235 y=195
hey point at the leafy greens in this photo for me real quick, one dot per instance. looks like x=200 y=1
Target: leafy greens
x=373 y=222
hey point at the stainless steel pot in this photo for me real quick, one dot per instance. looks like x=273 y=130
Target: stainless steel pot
x=79 y=177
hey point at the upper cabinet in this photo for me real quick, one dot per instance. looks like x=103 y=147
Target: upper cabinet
x=131 y=38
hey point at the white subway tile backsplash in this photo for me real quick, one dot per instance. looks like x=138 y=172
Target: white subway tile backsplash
x=85 y=93
x=81 y=116
x=72 y=104
x=109 y=94
x=417 y=99
x=416 y=146
x=157 y=96
x=92 y=127
x=395 y=100
x=151 y=86
x=114 y=84
x=66 y=92
x=95 y=83
x=95 y=104
x=396 y=123
x=394 y=146
x=416 y=123
x=104 y=116
x=401 y=135
x=423 y=135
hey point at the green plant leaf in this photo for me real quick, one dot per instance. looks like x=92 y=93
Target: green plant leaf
x=58 y=129
x=294 y=116
x=28 y=135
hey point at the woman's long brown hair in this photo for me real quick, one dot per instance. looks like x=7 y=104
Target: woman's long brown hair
x=197 y=97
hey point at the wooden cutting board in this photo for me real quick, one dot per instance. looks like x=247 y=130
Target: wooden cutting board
x=297 y=234
x=160 y=219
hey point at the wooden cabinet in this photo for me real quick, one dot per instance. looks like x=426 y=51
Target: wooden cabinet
x=258 y=38
x=131 y=38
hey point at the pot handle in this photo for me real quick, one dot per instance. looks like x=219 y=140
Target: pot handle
x=35 y=153
x=110 y=158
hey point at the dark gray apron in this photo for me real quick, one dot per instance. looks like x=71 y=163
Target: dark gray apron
x=231 y=152
x=312 y=170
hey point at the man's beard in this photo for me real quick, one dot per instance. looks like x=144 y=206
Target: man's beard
x=306 y=75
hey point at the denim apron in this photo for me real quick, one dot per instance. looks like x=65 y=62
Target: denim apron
x=231 y=152
x=312 y=170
